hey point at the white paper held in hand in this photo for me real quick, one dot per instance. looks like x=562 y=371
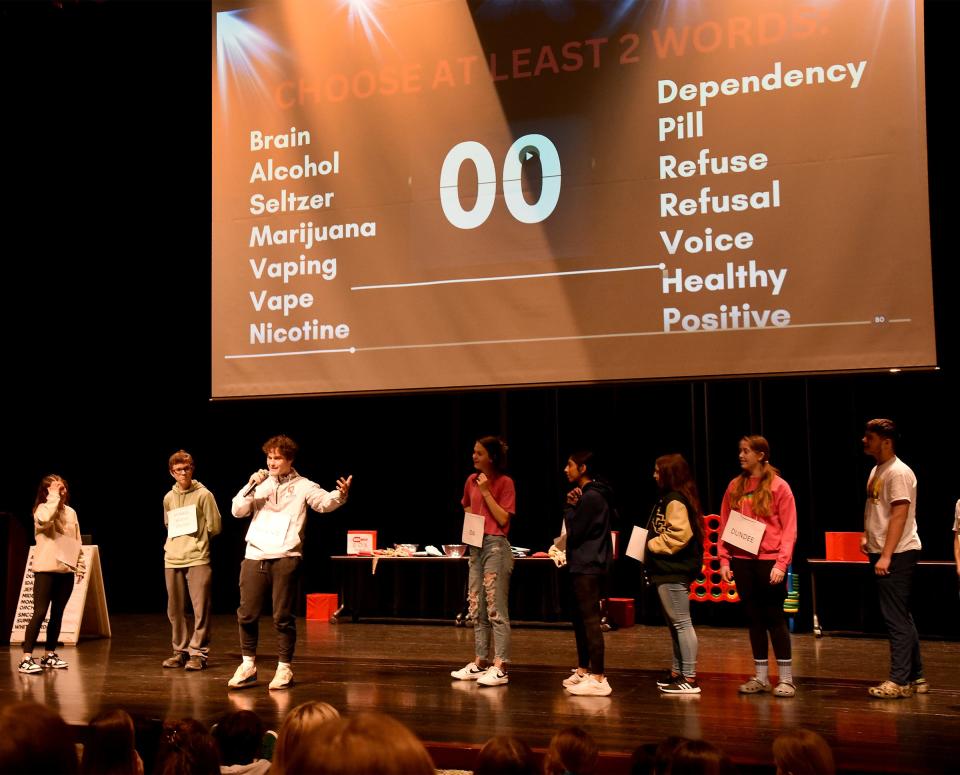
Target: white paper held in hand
x=68 y=549
x=472 y=529
x=638 y=543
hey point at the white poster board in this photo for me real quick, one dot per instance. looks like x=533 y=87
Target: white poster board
x=86 y=612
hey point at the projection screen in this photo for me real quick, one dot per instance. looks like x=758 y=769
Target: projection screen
x=413 y=194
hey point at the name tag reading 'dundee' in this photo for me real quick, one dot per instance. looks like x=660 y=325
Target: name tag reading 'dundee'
x=743 y=532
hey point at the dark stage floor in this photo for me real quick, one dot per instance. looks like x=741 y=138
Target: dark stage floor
x=403 y=670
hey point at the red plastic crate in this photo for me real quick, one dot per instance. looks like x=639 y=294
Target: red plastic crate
x=321 y=606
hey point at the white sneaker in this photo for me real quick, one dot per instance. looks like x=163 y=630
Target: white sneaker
x=246 y=675
x=575 y=678
x=469 y=672
x=591 y=688
x=494 y=676
x=283 y=678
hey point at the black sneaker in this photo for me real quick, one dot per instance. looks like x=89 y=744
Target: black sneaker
x=53 y=661
x=668 y=678
x=29 y=666
x=682 y=686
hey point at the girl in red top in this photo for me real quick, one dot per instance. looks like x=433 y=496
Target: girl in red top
x=489 y=493
x=759 y=493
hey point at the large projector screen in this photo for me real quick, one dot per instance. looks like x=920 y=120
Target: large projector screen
x=414 y=194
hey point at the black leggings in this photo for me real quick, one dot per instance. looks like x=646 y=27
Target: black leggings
x=586 y=621
x=53 y=590
x=764 y=604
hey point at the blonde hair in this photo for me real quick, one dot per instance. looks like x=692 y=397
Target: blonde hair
x=802 y=752
x=298 y=724
x=358 y=745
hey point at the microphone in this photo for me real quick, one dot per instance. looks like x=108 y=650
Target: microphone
x=254 y=486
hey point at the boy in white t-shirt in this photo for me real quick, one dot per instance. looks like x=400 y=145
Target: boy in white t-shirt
x=891 y=542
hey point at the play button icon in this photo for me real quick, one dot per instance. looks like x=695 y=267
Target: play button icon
x=529 y=153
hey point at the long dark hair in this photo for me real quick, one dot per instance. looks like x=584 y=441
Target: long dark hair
x=110 y=748
x=675 y=476
x=497 y=450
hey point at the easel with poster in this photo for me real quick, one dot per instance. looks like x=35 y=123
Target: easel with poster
x=86 y=612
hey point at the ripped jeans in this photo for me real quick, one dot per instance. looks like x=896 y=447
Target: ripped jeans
x=487 y=592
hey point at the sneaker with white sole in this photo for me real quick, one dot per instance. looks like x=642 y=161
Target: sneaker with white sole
x=668 y=678
x=246 y=675
x=469 y=672
x=53 y=661
x=681 y=685
x=494 y=676
x=29 y=666
x=591 y=688
x=575 y=678
x=283 y=677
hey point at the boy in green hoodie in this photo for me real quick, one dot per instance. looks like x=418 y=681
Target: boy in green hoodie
x=191 y=516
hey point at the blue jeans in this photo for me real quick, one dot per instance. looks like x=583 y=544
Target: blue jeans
x=675 y=601
x=487 y=593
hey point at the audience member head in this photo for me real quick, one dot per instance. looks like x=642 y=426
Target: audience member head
x=643 y=759
x=239 y=737
x=358 y=745
x=664 y=753
x=34 y=740
x=505 y=755
x=698 y=757
x=300 y=722
x=571 y=750
x=802 y=752
x=186 y=748
x=110 y=747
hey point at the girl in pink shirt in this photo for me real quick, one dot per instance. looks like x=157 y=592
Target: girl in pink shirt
x=759 y=493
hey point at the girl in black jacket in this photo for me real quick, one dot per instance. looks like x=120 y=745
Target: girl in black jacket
x=673 y=558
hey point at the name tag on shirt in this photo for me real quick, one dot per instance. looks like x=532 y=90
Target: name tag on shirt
x=472 y=529
x=268 y=530
x=182 y=521
x=743 y=532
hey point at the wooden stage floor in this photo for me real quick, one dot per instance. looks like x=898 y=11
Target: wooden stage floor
x=403 y=670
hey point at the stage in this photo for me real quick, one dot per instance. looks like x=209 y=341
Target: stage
x=403 y=669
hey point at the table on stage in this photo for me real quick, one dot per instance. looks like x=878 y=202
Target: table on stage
x=852 y=607
x=436 y=588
